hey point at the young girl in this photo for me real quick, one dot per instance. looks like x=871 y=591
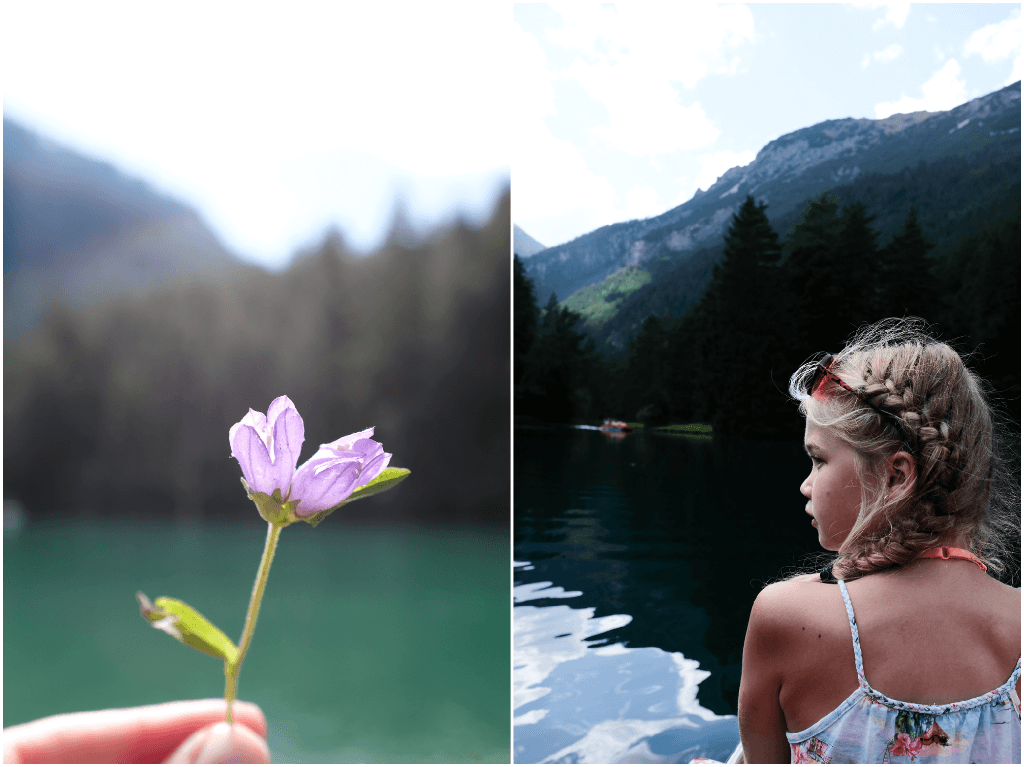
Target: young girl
x=904 y=649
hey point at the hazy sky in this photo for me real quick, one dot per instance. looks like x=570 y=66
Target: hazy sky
x=623 y=112
x=276 y=120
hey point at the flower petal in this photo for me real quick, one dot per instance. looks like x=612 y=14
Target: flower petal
x=322 y=483
x=258 y=421
x=277 y=407
x=373 y=468
x=288 y=436
x=253 y=457
x=346 y=443
x=367 y=448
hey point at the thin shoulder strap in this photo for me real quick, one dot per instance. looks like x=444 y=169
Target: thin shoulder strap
x=856 y=635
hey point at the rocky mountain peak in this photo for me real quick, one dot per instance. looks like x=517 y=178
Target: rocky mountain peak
x=784 y=174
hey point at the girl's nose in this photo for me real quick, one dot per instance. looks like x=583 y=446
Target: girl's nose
x=805 y=487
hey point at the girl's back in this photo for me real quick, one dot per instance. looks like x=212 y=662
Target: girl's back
x=932 y=632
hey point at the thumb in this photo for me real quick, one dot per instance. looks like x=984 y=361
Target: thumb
x=222 y=743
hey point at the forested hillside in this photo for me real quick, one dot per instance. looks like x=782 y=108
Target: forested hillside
x=77 y=230
x=954 y=199
x=772 y=302
x=123 y=408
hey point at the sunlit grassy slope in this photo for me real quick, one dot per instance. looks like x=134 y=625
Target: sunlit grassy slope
x=598 y=303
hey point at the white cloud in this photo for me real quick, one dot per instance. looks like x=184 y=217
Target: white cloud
x=208 y=101
x=644 y=113
x=888 y=54
x=633 y=59
x=557 y=197
x=643 y=202
x=998 y=42
x=533 y=94
x=895 y=13
x=944 y=90
x=883 y=56
x=636 y=62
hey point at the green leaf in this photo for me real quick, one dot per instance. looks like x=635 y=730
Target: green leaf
x=386 y=480
x=188 y=626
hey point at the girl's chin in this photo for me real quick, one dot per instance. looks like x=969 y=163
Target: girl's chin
x=825 y=544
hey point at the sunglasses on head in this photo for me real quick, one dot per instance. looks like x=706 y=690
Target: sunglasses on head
x=824 y=371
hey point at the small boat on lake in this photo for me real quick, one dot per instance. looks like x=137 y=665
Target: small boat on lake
x=615 y=426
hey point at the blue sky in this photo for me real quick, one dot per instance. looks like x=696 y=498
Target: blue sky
x=276 y=120
x=624 y=111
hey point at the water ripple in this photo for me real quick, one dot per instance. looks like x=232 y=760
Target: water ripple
x=576 y=701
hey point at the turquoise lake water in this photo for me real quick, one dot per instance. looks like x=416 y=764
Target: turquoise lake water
x=372 y=645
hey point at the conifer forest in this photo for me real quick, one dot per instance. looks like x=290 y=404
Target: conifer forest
x=123 y=407
x=772 y=302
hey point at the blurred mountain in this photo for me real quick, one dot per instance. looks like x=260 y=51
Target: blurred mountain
x=952 y=165
x=523 y=245
x=123 y=407
x=76 y=230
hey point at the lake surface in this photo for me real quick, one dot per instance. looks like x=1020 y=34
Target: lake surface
x=372 y=645
x=638 y=560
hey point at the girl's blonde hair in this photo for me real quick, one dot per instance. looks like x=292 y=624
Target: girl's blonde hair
x=941 y=416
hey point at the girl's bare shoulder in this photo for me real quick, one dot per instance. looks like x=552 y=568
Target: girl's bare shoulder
x=791 y=605
x=1010 y=593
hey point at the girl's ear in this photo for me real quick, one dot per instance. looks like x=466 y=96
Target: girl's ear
x=901 y=475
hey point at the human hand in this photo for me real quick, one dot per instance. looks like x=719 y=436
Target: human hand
x=188 y=731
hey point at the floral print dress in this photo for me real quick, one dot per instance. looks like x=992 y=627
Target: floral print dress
x=870 y=728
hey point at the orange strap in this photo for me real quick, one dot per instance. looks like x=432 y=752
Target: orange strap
x=949 y=552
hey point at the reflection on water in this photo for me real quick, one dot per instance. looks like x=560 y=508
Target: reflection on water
x=584 y=701
x=679 y=533
x=661 y=543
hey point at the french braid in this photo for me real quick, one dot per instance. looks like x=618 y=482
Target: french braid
x=940 y=416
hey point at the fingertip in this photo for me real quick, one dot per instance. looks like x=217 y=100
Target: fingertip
x=222 y=743
x=252 y=716
x=11 y=755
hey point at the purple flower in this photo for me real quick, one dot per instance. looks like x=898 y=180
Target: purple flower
x=267 y=448
x=335 y=470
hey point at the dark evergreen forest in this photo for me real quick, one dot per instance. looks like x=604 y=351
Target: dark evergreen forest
x=123 y=408
x=773 y=303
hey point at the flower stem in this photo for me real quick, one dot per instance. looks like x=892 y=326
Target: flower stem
x=231 y=670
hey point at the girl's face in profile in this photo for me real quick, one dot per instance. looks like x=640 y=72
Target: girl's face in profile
x=832 y=489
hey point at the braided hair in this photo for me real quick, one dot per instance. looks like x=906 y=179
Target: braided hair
x=934 y=408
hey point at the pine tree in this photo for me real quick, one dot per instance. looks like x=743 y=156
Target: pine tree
x=909 y=287
x=739 y=315
x=859 y=267
x=524 y=318
x=557 y=367
x=651 y=384
x=814 y=274
x=982 y=278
